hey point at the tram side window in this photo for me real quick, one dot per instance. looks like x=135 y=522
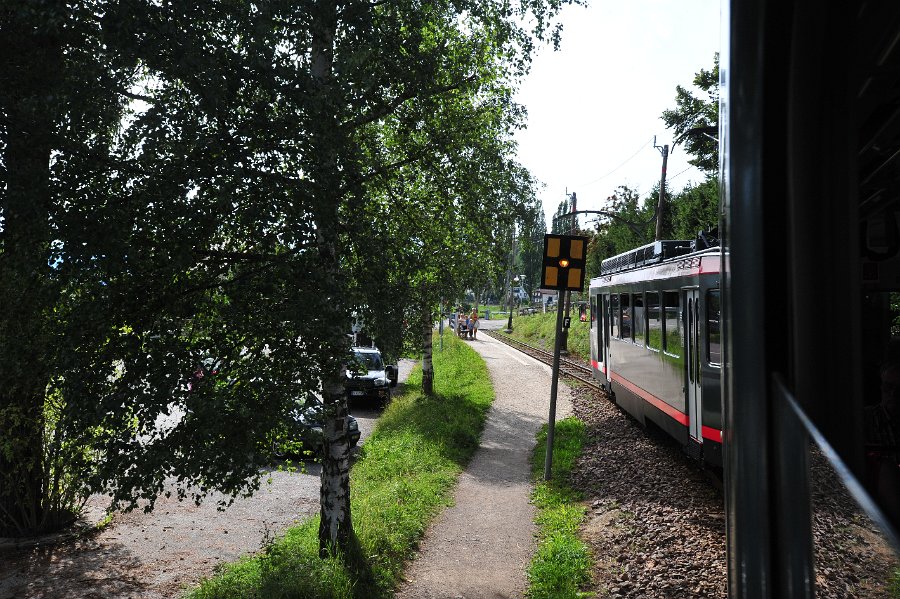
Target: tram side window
x=713 y=334
x=615 y=316
x=624 y=300
x=637 y=304
x=654 y=321
x=674 y=343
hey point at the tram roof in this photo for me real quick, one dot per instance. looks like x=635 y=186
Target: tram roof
x=647 y=255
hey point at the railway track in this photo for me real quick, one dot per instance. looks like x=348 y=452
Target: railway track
x=566 y=367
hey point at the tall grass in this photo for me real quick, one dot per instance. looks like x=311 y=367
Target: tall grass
x=561 y=565
x=402 y=479
x=540 y=330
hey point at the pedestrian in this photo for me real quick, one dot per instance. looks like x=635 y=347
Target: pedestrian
x=474 y=320
x=468 y=326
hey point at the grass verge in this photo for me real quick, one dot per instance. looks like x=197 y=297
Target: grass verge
x=540 y=330
x=402 y=479
x=561 y=565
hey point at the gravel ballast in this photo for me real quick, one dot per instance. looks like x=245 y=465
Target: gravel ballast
x=656 y=521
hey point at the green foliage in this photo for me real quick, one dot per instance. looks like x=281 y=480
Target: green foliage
x=695 y=121
x=531 y=246
x=540 y=330
x=403 y=478
x=695 y=208
x=191 y=181
x=561 y=566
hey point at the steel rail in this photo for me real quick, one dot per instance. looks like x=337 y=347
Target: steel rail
x=567 y=367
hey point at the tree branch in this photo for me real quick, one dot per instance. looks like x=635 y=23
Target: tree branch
x=386 y=109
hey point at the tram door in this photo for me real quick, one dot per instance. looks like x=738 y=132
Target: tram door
x=692 y=361
x=607 y=316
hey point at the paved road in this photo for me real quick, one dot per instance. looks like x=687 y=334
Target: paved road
x=480 y=547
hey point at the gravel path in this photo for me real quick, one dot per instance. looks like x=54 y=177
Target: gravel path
x=480 y=547
x=156 y=555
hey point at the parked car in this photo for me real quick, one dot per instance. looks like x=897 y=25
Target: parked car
x=304 y=434
x=369 y=377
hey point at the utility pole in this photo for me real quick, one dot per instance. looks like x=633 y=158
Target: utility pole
x=512 y=259
x=664 y=150
x=573 y=226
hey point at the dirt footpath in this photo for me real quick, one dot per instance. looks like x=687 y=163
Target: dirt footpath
x=157 y=555
x=481 y=547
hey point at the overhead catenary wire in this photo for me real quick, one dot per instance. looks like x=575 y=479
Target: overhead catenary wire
x=682 y=171
x=629 y=159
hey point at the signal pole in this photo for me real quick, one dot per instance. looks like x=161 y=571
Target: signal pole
x=664 y=150
x=564 y=337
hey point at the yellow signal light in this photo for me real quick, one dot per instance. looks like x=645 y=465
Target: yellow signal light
x=564 y=263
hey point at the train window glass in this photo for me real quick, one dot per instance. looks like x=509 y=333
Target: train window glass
x=672 y=326
x=654 y=321
x=713 y=334
x=614 y=314
x=637 y=305
x=625 y=328
x=597 y=321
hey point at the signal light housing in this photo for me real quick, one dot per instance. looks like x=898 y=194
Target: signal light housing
x=564 y=262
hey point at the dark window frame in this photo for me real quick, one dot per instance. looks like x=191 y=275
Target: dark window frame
x=660 y=318
x=708 y=336
x=678 y=317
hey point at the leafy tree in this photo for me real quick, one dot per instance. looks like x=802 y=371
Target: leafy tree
x=626 y=223
x=185 y=188
x=531 y=252
x=695 y=208
x=695 y=120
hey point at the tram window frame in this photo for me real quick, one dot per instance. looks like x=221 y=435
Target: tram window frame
x=626 y=329
x=639 y=322
x=667 y=295
x=651 y=302
x=597 y=321
x=710 y=293
x=615 y=314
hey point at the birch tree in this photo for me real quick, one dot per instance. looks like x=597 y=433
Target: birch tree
x=186 y=185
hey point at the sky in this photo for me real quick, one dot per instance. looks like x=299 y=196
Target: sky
x=595 y=105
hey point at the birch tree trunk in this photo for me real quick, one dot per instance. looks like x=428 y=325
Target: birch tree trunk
x=336 y=526
x=427 y=364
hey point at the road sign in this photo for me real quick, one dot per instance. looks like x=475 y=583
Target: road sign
x=567 y=321
x=564 y=262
